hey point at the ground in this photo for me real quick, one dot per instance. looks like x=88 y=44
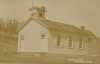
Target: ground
x=9 y=54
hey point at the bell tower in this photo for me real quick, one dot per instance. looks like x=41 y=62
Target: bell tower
x=37 y=12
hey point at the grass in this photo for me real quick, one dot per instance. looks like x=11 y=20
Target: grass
x=21 y=58
x=8 y=46
x=9 y=54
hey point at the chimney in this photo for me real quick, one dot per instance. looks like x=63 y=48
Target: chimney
x=82 y=27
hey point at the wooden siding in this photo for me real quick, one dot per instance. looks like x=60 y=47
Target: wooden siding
x=64 y=49
x=32 y=32
x=94 y=48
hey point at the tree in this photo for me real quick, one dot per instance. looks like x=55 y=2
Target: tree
x=1 y=22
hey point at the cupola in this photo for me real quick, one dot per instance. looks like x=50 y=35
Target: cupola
x=37 y=12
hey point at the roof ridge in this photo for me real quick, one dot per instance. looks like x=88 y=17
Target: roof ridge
x=60 y=22
x=62 y=26
x=56 y=25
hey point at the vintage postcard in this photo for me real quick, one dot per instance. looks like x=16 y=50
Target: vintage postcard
x=49 y=31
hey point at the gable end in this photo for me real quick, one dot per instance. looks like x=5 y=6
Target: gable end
x=23 y=25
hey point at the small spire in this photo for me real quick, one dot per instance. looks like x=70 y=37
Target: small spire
x=32 y=10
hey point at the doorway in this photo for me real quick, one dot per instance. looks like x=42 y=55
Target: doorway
x=22 y=43
x=43 y=42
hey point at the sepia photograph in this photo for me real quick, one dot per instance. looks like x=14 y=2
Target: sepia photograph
x=49 y=31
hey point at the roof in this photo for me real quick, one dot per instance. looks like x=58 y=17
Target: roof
x=55 y=25
x=35 y=7
x=90 y=34
x=62 y=26
x=94 y=38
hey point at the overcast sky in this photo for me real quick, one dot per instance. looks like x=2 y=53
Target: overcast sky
x=75 y=12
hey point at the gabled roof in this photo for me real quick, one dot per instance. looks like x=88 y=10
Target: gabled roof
x=55 y=25
x=62 y=26
x=94 y=38
x=90 y=34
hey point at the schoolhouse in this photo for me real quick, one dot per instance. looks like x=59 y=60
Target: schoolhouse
x=38 y=34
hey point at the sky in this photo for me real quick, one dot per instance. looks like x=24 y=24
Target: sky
x=75 y=12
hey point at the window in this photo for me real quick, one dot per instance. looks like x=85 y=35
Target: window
x=80 y=43
x=70 y=41
x=94 y=41
x=58 y=39
x=42 y=36
x=22 y=37
x=40 y=14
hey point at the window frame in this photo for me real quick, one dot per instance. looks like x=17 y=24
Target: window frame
x=58 y=44
x=71 y=42
x=22 y=37
x=82 y=46
x=43 y=36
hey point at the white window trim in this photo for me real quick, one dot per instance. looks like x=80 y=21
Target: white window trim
x=82 y=43
x=72 y=42
x=60 y=42
x=22 y=36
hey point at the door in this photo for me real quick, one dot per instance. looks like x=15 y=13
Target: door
x=22 y=44
x=43 y=42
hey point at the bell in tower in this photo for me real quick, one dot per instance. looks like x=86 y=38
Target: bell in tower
x=37 y=12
